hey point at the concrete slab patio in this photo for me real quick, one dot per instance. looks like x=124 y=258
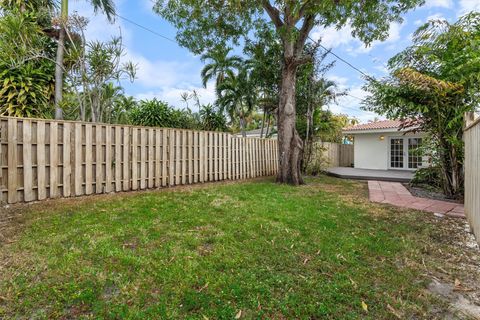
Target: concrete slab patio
x=369 y=174
x=396 y=194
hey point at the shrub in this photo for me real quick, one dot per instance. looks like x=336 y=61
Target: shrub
x=428 y=178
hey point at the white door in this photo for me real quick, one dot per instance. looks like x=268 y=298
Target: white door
x=405 y=153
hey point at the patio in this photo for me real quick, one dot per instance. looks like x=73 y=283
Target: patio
x=369 y=174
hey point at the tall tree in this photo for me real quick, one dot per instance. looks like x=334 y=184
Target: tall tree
x=108 y=8
x=206 y=24
x=236 y=96
x=219 y=65
x=264 y=57
x=432 y=84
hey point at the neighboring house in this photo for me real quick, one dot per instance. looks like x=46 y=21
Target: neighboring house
x=382 y=145
x=256 y=133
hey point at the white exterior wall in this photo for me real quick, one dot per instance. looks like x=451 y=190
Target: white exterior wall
x=370 y=152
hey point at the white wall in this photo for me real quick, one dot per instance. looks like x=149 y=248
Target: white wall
x=369 y=152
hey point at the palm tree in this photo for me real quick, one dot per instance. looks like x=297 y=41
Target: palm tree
x=107 y=6
x=220 y=65
x=236 y=96
x=323 y=92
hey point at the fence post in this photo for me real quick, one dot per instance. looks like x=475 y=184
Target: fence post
x=74 y=158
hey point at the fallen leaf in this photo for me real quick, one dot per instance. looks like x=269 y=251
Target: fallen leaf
x=203 y=288
x=393 y=311
x=457 y=283
x=364 y=306
x=354 y=284
x=239 y=314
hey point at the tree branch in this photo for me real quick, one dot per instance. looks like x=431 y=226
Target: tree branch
x=303 y=60
x=304 y=31
x=301 y=11
x=273 y=13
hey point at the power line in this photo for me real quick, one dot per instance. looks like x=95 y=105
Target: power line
x=348 y=94
x=323 y=47
x=146 y=29
x=329 y=51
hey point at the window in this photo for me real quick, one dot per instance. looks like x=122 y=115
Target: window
x=414 y=153
x=396 y=153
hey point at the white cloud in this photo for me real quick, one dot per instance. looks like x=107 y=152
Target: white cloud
x=466 y=6
x=331 y=37
x=99 y=28
x=172 y=95
x=394 y=35
x=162 y=73
x=436 y=16
x=418 y=22
x=164 y=79
x=439 y=3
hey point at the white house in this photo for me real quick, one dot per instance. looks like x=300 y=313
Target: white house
x=382 y=145
x=258 y=132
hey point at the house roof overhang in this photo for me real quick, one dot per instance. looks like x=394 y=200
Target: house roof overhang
x=385 y=130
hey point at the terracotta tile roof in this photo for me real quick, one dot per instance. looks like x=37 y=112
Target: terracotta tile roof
x=384 y=124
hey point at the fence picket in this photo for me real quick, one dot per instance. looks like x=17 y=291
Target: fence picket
x=12 y=161
x=67 y=161
x=143 y=158
x=27 y=162
x=126 y=159
x=158 y=159
x=150 y=146
x=118 y=159
x=108 y=159
x=41 y=170
x=74 y=159
x=134 y=159
x=78 y=161
x=98 y=160
x=88 y=159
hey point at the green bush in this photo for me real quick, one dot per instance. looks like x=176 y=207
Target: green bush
x=156 y=113
x=317 y=162
x=429 y=178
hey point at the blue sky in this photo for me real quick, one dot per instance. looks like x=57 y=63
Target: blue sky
x=166 y=70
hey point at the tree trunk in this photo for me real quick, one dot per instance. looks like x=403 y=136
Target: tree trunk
x=263 y=123
x=289 y=142
x=59 y=73
x=59 y=60
x=242 y=127
x=267 y=131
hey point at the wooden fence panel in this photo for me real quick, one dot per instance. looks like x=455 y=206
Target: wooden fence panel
x=42 y=159
x=472 y=173
x=330 y=154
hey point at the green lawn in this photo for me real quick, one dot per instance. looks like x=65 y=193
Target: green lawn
x=251 y=250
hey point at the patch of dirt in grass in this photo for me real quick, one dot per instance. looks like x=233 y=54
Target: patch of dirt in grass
x=205 y=249
x=219 y=202
x=12 y=220
x=449 y=259
x=76 y=312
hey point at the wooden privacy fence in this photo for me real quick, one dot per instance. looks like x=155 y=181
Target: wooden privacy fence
x=336 y=155
x=472 y=172
x=48 y=159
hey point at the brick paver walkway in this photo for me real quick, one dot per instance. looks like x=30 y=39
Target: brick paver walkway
x=396 y=194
